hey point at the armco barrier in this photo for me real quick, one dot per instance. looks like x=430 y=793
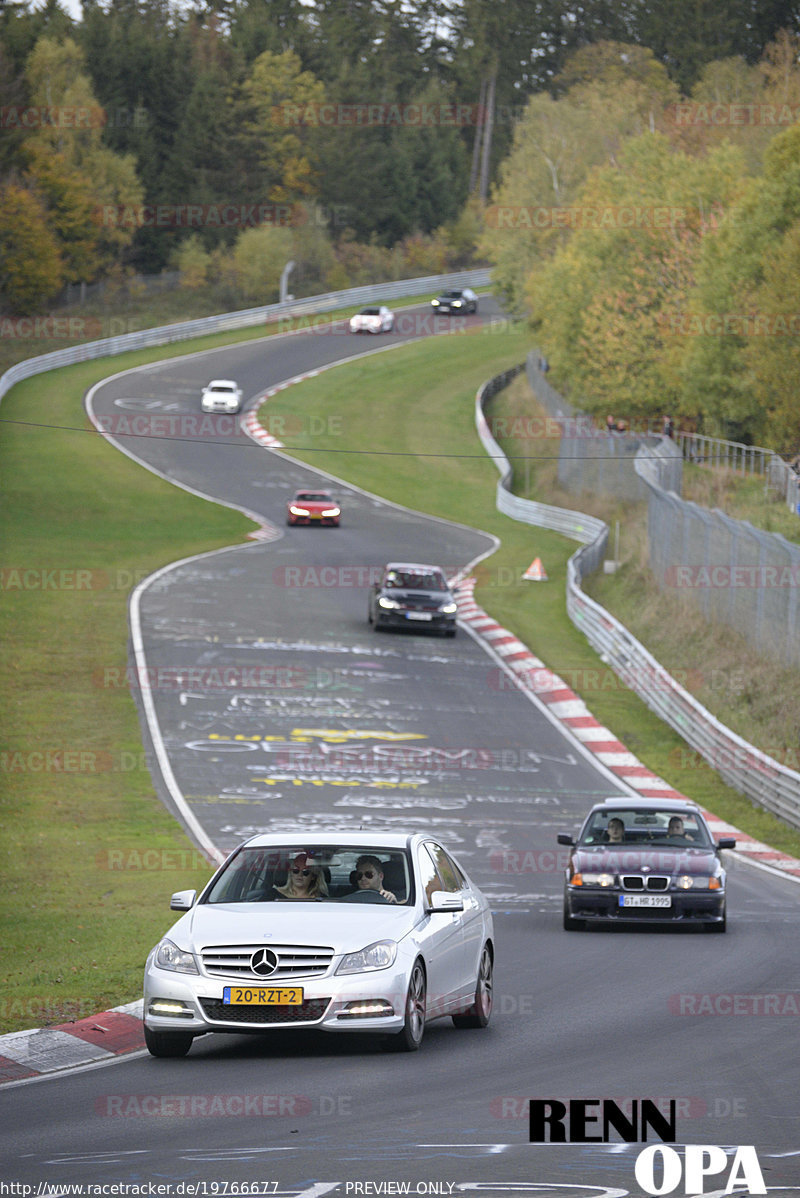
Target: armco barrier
x=167 y=334
x=757 y=775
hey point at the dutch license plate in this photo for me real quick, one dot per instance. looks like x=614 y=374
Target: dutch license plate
x=645 y=900
x=259 y=996
x=418 y=615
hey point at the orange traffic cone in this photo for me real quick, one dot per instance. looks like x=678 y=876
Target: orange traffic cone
x=535 y=571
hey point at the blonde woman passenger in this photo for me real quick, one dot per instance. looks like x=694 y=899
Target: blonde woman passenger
x=305 y=880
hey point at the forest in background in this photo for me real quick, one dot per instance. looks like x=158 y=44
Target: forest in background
x=632 y=171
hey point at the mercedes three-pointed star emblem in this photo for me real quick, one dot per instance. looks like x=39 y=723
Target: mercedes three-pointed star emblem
x=264 y=962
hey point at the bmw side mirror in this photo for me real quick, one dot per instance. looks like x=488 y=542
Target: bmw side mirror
x=565 y=838
x=727 y=842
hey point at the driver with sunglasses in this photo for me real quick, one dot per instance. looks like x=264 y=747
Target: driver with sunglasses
x=369 y=876
x=305 y=880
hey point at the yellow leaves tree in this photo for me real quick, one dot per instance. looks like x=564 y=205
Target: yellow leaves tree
x=30 y=261
x=772 y=351
x=612 y=93
x=609 y=305
x=282 y=124
x=88 y=171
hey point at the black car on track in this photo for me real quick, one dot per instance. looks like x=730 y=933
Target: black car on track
x=410 y=595
x=639 y=860
x=456 y=303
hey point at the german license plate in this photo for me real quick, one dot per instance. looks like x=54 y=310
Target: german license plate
x=259 y=996
x=645 y=900
x=418 y=615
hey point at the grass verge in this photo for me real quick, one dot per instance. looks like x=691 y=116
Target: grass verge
x=89 y=855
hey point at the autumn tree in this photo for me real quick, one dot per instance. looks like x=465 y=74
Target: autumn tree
x=611 y=93
x=30 y=259
x=281 y=116
x=610 y=306
x=70 y=165
x=733 y=282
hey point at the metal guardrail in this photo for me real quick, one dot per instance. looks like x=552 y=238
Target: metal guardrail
x=187 y=329
x=572 y=524
x=755 y=774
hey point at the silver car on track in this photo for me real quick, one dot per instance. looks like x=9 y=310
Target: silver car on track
x=347 y=932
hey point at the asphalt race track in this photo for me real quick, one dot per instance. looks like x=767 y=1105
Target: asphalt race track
x=277 y=704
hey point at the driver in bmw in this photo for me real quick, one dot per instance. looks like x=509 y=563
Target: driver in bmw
x=369 y=876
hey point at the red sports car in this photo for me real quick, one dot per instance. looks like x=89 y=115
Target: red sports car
x=313 y=507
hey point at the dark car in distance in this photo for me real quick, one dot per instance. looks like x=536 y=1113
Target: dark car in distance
x=456 y=302
x=651 y=861
x=411 y=595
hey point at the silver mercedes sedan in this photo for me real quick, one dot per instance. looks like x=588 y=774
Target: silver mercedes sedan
x=347 y=932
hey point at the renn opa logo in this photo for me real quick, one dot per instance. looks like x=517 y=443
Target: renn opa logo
x=659 y=1169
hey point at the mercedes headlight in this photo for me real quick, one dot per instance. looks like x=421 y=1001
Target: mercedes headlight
x=379 y=955
x=169 y=956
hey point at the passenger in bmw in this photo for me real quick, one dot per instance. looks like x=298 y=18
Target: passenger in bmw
x=368 y=875
x=305 y=880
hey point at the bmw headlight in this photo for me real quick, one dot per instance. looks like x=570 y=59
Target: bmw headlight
x=379 y=955
x=695 y=882
x=169 y=956
x=592 y=880
x=449 y=608
x=389 y=604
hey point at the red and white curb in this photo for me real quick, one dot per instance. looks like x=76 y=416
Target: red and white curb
x=569 y=709
x=91 y=1041
x=253 y=426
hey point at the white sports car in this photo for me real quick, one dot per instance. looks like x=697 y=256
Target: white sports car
x=372 y=320
x=347 y=932
x=221 y=395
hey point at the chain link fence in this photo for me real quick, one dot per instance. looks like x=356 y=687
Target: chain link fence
x=593 y=459
x=735 y=574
